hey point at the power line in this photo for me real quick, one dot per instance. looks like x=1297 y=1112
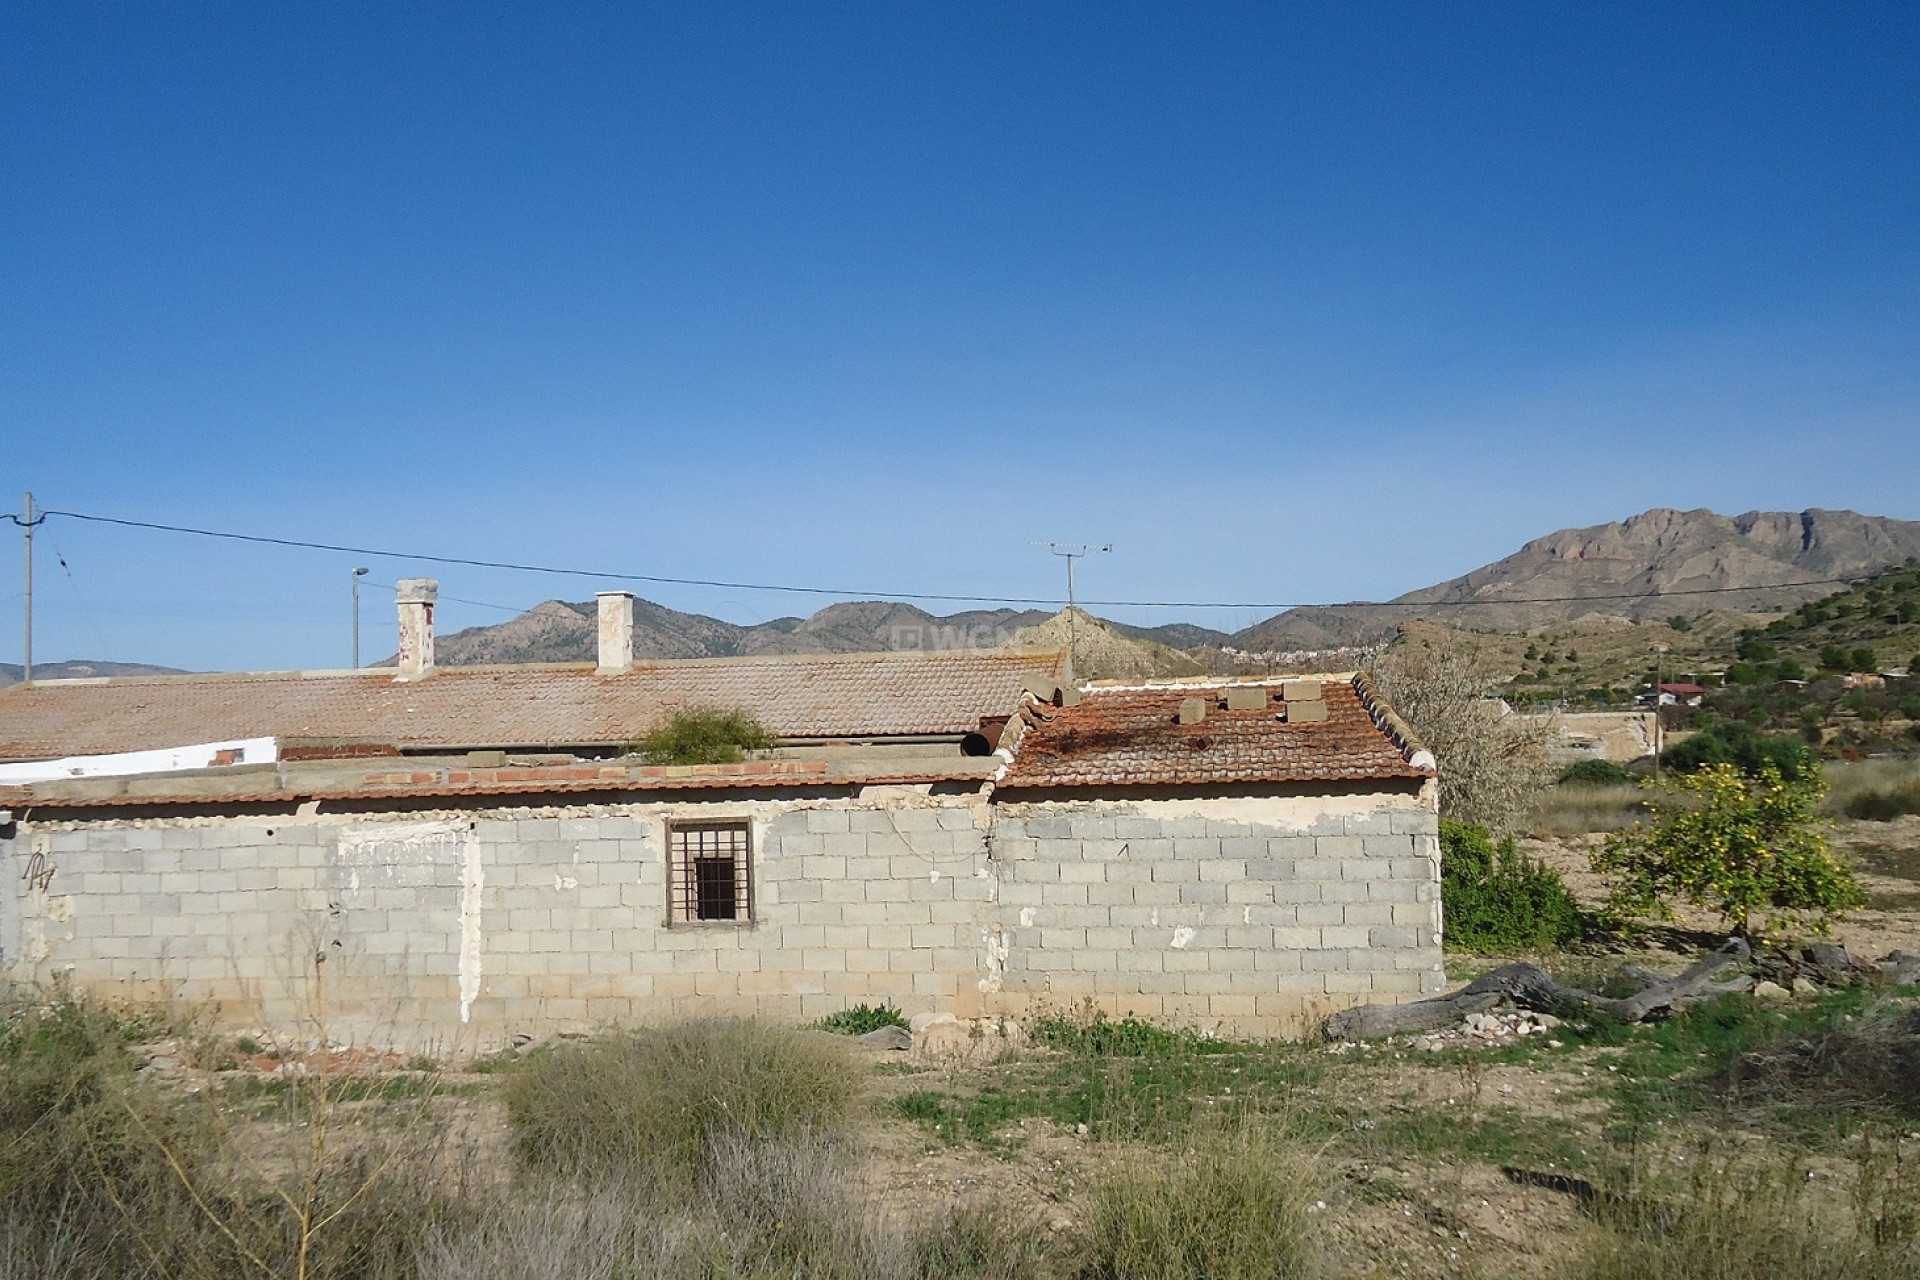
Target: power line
x=602 y=576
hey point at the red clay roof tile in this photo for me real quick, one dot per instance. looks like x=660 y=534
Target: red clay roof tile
x=1132 y=737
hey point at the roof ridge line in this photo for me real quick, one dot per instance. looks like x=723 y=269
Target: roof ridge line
x=1388 y=721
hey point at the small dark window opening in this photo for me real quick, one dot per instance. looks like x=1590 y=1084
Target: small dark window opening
x=710 y=871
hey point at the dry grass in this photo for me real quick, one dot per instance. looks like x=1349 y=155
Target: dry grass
x=1723 y=1220
x=1873 y=789
x=1872 y=1062
x=1574 y=809
x=1234 y=1207
x=652 y=1104
x=772 y=1209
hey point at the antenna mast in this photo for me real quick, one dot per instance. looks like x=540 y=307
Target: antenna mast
x=26 y=523
x=1071 y=551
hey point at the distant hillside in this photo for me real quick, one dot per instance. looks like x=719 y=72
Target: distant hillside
x=558 y=631
x=1105 y=652
x=10 y=671
x=1175 y=635
x=1631 y=569
x=1877 y=620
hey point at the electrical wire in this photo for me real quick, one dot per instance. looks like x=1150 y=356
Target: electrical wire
x=598 y=575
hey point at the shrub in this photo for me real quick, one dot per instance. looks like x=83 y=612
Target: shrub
x=1738 y=743
x=1232 y=1209
x=1735 y=845
x=653 y=1103
x=861 y=1019
x=1883 y=805
x=79 y=1164
x=704 y=735
x=1596 y=773
x=1495 y=898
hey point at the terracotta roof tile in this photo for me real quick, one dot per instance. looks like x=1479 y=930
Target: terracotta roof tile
x=795 y=696
x=1132 y=737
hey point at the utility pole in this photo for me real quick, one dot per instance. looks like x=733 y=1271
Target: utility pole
x=358 y=574
x=1658 y=649
x=1071 y=551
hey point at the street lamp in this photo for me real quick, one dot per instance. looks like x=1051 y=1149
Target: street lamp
x=358 y=574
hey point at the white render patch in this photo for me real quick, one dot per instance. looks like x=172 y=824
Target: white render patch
x=473 y=879
x=124 y=764
x=409 y=855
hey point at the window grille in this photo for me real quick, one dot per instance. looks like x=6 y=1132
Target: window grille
x=710 y=865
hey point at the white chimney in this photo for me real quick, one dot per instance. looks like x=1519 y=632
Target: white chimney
x=416 y=598
x=616 y=632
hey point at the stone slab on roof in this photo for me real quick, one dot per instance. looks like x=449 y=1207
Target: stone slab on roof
x=1132 y=737
x=453 y=780
x=546 y=706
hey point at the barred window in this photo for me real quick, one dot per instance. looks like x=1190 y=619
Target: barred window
x=709 y=871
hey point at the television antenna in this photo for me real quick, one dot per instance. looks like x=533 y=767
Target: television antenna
x=1071 y=551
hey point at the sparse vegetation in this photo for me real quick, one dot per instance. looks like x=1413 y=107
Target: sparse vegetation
x=651 y=1104
x=1874 y=790
x=705 y=735
x=1217 y=1158
x=1577 y=810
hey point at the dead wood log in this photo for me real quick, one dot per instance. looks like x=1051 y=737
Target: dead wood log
x=1732 y=954
x=1528 y=986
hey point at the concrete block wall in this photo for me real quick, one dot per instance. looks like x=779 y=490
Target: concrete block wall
x=464 y=927
x=1254 y=917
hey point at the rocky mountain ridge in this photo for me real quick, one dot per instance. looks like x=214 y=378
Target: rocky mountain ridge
x=1655 y=565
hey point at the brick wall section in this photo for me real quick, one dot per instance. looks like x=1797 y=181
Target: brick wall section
x=1254 y=919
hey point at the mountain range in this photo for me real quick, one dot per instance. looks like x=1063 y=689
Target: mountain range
x=1654 y=565
x=1658 y=564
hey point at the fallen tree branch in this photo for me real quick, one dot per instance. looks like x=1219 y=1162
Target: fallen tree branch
x=1528 y=986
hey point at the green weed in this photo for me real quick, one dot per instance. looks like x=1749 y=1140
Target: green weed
x=862 y=1018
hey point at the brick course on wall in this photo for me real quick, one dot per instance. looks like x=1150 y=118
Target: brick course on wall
x=465 y=927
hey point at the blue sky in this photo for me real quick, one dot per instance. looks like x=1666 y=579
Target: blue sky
x=1289 y=303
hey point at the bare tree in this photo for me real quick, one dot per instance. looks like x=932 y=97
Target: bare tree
x=1492 y=762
